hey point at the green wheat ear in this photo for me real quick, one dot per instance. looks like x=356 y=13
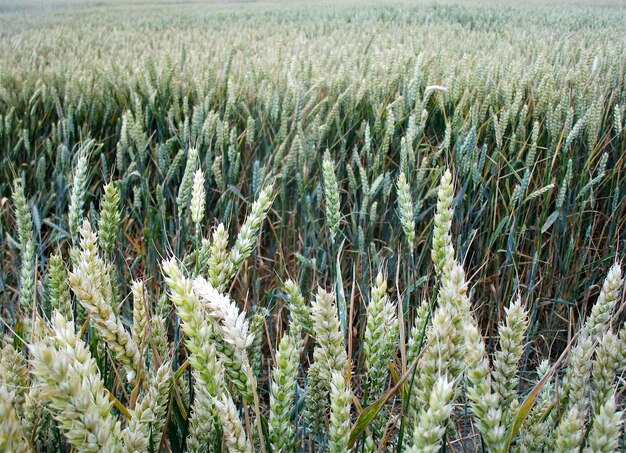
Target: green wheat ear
x=300 y=313
x=331 y=193
x=84 y=414
x=110 y=217
x=569 y=433
x=184 y=190
x=249 y=231
x=484 y=402
x=282 y=391
x=506 y=363
x=79 y=191
x=58 y=287
x=405 y=210
x=379 y=344
x=442 y=250
x=24 y=222
x=606 y=428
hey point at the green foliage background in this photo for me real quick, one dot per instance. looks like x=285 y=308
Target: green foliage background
x=530 y=118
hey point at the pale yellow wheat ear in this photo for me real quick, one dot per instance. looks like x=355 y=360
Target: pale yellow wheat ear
x=231 y=334
x=149 y=415
x=12 y=436
x=576 y=386
x=607 y=300
x=194 y=324
x=506 y=364
x=198 y=197
x=79 y=189
x=234 y=432
x=140 y=313
x=329 y=358
x=184 y=190
x=300 y=313
x=91 y=284
x=604 y=372
x=606 y=428
x=485 y=403
x=569 y=434
x=203 y=426
x=316 y=399
x=434 y=364
x=380 y=343
x=219 y=264
x=430 y=427
x=14 y=375
x=71 y=385
x=340 y=405
x=330 y=351
x=231 y=322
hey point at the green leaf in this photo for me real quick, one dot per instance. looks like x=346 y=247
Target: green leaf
x=341 y=300
x=549 y=221
x=527 y=405
x=369 y=413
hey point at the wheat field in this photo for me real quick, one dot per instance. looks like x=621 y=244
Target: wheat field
x=312 y=226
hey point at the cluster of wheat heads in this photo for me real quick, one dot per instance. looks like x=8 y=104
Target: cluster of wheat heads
x=81 y=374
x=384 y=88
x=232 y=228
